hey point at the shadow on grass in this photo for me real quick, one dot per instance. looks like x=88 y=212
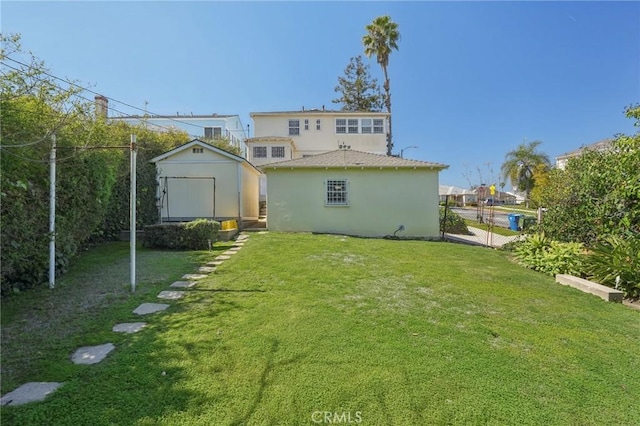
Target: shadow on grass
x=264 y=379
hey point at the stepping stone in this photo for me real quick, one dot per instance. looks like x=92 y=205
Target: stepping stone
x=223 y=257
x=207 y=269
x=238 y=244
x=128 y=327
x=29 y=392
x=215 y=263
x=229 y=253
x=92 y=354
x=150 y=308
x=263 y=232
x=193 y=276
x=171 y=295
x=236 y=249
x=242 y=238
x=183 y=284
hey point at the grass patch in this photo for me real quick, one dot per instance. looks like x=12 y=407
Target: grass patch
x=402 y=332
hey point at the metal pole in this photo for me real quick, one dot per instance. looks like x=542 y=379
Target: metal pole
x=52 y=214
x=132 y=211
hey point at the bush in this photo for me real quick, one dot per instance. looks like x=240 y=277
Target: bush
x=196 y=235
x=550 y=257
x=615 y=262
x=455 y=224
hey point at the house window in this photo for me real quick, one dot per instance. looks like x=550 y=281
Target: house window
x=318 y=124
x=353 y=125
x=259 y=152
x=294 y=127
x=197 y=150
x=366 y=125
x=341 y=125
x=306 y=124
x=378 y=125
x=213 y=132
x=336 y=193
x=277 y=151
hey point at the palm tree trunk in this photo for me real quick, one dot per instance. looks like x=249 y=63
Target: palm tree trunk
x=387 y=101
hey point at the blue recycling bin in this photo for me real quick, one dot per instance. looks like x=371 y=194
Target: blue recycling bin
x=514 y=221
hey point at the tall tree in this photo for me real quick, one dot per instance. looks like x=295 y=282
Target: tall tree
x=520 y=164
x=381 y=38
x=359 y=91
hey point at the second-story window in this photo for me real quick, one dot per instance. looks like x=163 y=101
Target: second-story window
x=294 y=127
x=306 y=124
x=318 y=124
x=197 y=150
x=213 y=132
x=341 y=125
x=353 y=125
x=277 y=151
x=378 y=125
x=366 y=125
x=259 y=152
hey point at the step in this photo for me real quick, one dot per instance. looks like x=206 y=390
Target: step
x=606 y=293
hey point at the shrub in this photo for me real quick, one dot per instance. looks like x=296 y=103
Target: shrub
x=615 y=262
x=550 y=257
x=455 y=224
x=196 y=235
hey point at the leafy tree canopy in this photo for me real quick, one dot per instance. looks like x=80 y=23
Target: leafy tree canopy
x=358 y=90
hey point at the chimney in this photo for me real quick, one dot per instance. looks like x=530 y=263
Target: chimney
x=102 y=106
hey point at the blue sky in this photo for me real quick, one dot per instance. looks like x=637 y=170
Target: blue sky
x=470 y=82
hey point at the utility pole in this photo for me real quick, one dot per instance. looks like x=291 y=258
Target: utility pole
x=132 y=212
x=52 y=213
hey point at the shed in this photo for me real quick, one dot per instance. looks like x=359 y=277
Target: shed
x=354 y=193
x=199 y=180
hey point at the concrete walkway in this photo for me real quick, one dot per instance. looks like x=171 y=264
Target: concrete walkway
x=482 y=238
x=38 y=391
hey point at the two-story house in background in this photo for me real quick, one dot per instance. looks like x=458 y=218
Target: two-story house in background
x=288 y=135
x=197 y=126
x=212 y=126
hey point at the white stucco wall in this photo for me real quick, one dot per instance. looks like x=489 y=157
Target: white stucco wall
x=189 y=198
x=250 y=192
x=379 y=201
x=312 y=141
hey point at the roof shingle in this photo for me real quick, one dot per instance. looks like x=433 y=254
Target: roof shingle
x=348 y=158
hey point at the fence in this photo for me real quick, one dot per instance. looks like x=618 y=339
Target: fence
x=482 y=224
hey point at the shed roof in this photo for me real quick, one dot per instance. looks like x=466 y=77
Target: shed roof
x=198 y=142
x=348 y=158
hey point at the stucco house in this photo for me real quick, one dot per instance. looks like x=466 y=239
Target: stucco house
x=199 y=180
x=354 y=193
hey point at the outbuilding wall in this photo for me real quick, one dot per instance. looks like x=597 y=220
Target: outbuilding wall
x=379 y=201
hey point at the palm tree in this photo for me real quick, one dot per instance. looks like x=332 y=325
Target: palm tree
x=519 y=164
x=381 y=38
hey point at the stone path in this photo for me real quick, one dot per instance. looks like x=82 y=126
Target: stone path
x=38 y=391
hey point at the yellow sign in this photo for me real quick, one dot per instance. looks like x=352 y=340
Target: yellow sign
x=492 y=189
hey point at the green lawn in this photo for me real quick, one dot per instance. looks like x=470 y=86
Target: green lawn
x=389 y=332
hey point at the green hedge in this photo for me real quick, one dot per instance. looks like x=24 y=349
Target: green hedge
x=454 y=225
x=196 y=235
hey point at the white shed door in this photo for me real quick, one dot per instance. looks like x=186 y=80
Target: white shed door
x=188 y=199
